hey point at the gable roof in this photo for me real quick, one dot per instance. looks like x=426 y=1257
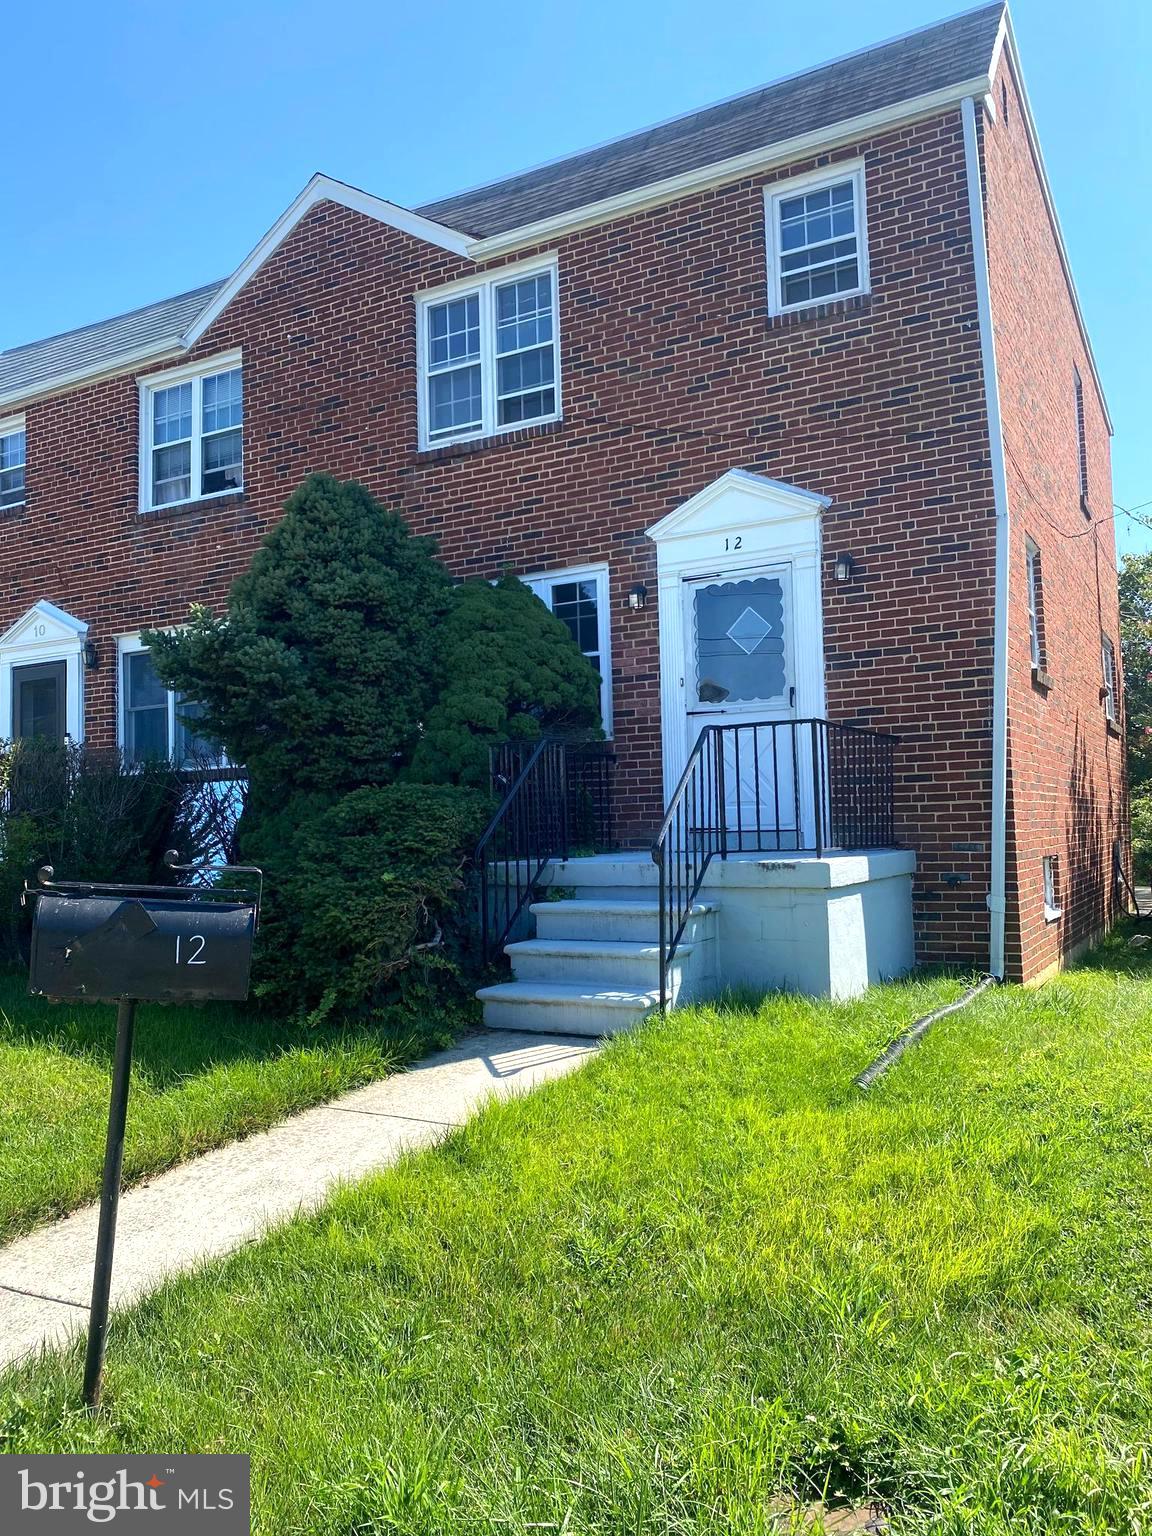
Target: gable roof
x=946 y=54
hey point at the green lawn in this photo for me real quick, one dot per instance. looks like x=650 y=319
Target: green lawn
x=201 y=1076
x=703 y=1270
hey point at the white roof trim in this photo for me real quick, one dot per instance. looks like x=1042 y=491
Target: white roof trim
x=793 y=500
x=702 y=177
x=1006 y=40
x=106 y=369
x=322 y=189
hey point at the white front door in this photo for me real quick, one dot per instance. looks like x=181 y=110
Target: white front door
x=739 y=673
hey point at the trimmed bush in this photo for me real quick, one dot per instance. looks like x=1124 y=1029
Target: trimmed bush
x=363 y=691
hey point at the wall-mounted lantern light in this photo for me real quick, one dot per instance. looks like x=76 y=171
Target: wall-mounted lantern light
x=845 y=567
x=91 y=656
x=637 y=598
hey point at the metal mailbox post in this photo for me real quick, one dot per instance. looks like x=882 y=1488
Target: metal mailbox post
x=126 y=944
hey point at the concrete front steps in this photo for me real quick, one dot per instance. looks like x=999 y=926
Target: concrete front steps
x=593 y=967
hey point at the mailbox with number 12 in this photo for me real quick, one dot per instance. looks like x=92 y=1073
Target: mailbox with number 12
x=126 y=944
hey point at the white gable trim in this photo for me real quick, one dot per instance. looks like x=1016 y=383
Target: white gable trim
x=43 y=624
x=739 y=498
x=323 y=189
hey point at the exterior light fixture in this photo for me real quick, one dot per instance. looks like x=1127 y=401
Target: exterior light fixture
x=845 y=567
x=637 y=598
x=91 y=656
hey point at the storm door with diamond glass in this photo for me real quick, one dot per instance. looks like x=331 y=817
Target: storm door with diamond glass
x=739 y=675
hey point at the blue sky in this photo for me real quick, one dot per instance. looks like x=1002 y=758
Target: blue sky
x=149 y=147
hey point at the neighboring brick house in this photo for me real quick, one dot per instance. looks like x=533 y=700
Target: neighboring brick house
x=814 y=354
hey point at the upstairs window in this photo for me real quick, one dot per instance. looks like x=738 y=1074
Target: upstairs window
x=1109 y=692
x=1035 y=607
x=817 y=239
x=157 y=725
x=1081 y=443
x=489 y=359
x=193 y=435
x=13 y=450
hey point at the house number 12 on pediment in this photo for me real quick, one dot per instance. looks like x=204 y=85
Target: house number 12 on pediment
x=736 y=541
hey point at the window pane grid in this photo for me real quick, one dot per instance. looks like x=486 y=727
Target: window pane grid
x=197 y=444
x=12 y=456
x=490 y=358
x=818 y=245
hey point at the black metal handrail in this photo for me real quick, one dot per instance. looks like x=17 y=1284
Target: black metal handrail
x=773 y=786
x=554 y=795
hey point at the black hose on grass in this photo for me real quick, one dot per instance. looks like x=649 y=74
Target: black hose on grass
x=893 y=1052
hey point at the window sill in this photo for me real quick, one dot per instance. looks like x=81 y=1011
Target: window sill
x=1042 y=679
x=857 y=303
x=464 y=446
x=183 y=508
x=13 y=513
x=1112 y=728
x=1053 y=914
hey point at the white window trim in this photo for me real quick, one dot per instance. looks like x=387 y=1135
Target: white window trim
x=1052 y=910
x=812 y=181
x=1110 y=701
x=598 y=574
x=132 y=645
x=154 y=381
x=484 y=284
x=8 y=425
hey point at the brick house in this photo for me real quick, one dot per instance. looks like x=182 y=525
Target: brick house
x=787 y=407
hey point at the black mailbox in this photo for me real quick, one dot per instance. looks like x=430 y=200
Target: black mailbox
x=160 y=944
x=129 y=944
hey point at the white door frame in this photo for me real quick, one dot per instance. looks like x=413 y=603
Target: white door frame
x=738 y=524
x=45 y=633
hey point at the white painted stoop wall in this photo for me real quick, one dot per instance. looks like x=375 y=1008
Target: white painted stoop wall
x=826 y=927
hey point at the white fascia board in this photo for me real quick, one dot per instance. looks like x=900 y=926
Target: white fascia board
x=322 y=189
x=1007 y=41
x=733 y=169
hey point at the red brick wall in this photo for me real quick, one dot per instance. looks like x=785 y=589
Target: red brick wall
x=1065 y=765
x=672 y=373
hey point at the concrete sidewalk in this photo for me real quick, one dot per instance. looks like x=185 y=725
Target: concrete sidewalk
x=232 y=1195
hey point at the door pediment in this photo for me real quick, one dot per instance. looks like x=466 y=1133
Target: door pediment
x=43 y=625
x=738 y=499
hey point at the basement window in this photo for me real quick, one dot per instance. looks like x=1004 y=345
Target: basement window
x=489 y=357
x=817 y=239
x=1052 y=908
x=192 y=434
x=13 y=451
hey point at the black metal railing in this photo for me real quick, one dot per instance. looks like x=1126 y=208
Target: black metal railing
x=556 y=797
x=796 y=786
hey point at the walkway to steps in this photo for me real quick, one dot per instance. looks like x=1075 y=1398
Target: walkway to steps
x=230 y=1196
x=593 y=966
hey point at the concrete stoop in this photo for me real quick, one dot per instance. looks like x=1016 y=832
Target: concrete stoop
x=594 y=966
x=826 y=927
